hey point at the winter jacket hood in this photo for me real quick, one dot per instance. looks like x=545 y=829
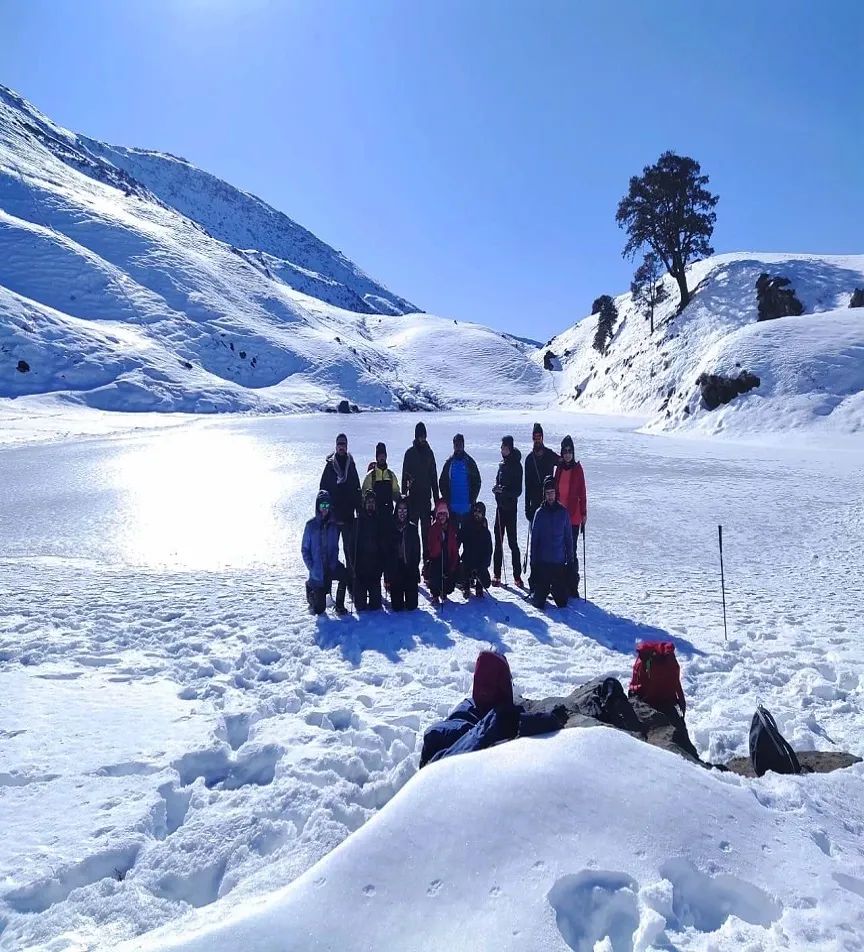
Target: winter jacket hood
x=493 y=683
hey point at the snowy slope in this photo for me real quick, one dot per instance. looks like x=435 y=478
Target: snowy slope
x=510 y=849
x=113 y=295
x=811 y=367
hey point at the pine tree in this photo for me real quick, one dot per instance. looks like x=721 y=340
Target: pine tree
x=607 y=314
x=669 y=209
x=646 y=287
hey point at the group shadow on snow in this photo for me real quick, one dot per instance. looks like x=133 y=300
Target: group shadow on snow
x=390 y=633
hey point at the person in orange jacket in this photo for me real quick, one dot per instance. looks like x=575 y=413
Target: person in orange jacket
x=572 y=494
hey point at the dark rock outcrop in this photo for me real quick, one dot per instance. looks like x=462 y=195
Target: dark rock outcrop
x=343 y=407
x=717 y=389
x=813 y=761
x=603 y=701
x=857 y=298
x=775 y=298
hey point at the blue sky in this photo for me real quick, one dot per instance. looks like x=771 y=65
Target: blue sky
x=470 y=154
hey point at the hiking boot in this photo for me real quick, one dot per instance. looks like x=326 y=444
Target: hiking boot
x=340 y=609
x=466 y=591
x=519 y=583
x=496 y=582
x=478 y=590
x=436 y=601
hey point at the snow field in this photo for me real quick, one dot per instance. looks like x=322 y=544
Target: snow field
x=166 y=565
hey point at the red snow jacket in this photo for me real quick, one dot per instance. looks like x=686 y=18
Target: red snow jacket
x=436 y=540
x=572 y=494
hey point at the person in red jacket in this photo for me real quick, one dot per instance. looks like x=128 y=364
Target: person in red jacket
x=443 y=554
x=570 y=483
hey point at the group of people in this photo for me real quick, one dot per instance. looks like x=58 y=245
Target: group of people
x=436 y=526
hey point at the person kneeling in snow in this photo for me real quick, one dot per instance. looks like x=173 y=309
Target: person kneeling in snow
x=488 y=717
x=405 y=560
x=443 y=554
x=371 y=556
x=551 y=549
x=476 y=542
x=320 y=550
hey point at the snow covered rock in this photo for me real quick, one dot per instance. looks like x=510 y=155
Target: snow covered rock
x=810 y=366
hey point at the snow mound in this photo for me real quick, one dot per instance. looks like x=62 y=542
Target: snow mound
x=810 y=367
x=131 y=280
x=687 y=859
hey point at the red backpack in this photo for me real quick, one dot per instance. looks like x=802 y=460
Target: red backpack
x=657 y=676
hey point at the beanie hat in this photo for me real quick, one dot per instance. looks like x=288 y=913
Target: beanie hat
x=458 y=439
x=420 y=431
x=341 y=438
x=508 y=442
x=537 y=429
x=567 y=443
x=370 y=493
x=480 y=507
x=548 y=483
x=379 y=449
x=493 y=683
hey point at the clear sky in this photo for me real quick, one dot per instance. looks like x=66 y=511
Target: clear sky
x=470 y=154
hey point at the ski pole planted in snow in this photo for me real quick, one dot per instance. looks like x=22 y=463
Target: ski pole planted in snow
x=722 y=582
x=584 y=563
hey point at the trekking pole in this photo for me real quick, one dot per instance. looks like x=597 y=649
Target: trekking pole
x=722 y=582
x=501 y=544
x=527 y=549
x=584 y=563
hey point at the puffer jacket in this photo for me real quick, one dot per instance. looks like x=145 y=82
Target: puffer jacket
x=420 y=479
x=405 y=549
x=508 y=481
x=438 y=541
x=570 y=483
x=476 y=542
x=385 y=485
x=320 y=549
x=551 y=535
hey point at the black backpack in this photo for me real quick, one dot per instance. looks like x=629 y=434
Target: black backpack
x=769 y=749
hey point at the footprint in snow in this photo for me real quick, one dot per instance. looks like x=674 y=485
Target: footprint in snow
x=434 y=887
x=369 y=890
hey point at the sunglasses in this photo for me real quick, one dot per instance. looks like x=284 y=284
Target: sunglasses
x=567 y=452
x=323 y=505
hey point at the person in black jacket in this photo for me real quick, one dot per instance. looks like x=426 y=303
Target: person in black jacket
x=507 y=490
x=476 y=551
x=405 y=560
x=420 y=483
x=539 y=464
x=341 y=480
x=370 y=554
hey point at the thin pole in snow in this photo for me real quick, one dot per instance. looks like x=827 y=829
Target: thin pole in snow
x=722 y=582
x=584 y=562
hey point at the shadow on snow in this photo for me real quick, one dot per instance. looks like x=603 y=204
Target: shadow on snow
x=622 y=634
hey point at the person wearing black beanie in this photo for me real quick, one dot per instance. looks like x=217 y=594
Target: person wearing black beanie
x=570 y=483
x=420 y=485
x=507 y=490
x=539 y=464
x=382 y=480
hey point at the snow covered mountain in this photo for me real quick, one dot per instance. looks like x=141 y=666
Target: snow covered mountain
x=810 y=367
x=131 y=280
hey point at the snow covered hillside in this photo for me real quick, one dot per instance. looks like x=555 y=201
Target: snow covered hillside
x=131 y=280
x=811 y=367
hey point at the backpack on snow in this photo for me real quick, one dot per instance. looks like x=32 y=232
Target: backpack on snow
x=769 y=749
x=656 y=675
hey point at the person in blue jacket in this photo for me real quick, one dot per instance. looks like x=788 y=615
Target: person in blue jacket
x=460 y=482
x=488 y=717
x=551 y=549
x=320 y=550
